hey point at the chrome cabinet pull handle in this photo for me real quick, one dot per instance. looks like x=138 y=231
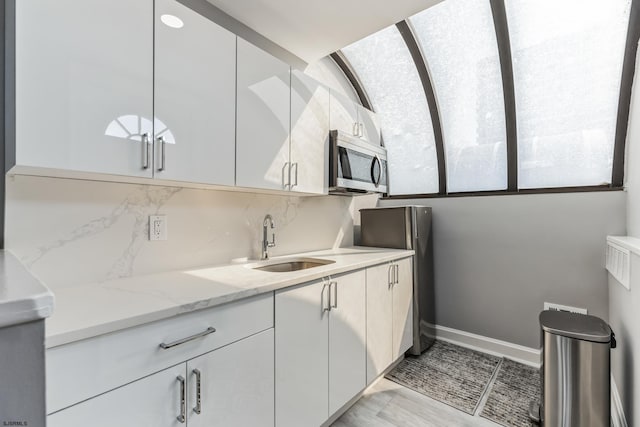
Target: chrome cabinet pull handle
x=355 y=129
x=286 y=175
x=328 y=306
x=145 y=151
x=397 y=273
x=162 y=142
x=183 y=400
x=209 y=330
x=335 y=298
x=198 y=408
x=295 y=165
x=390 y=275
x=361 y=130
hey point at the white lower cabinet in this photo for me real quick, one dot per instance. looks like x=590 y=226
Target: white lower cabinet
x=236 y=385
x=320 y=348
x=347 y=335
x=390 y=314
x=153 y=401
x=232 y=386
x=402 y=308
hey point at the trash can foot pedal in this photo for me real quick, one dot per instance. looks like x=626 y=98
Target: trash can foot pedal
x=534 y=411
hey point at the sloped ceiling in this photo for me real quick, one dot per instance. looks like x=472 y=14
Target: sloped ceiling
x=312 y=29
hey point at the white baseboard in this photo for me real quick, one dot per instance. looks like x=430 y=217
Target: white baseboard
x=528 y=356
x=617 y=412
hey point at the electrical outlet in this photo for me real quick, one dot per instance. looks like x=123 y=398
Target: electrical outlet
x=560 y=307
x=157 y=227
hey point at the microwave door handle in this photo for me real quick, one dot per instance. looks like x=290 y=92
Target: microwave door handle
x=376 y=179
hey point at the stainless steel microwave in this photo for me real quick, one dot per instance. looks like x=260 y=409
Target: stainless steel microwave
x=355 y=165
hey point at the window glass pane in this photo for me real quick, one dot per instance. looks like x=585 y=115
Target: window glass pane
x=567 y=59
x=385 y=67
x=458 y=40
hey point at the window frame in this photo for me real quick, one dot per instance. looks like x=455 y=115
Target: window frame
x=501 y=28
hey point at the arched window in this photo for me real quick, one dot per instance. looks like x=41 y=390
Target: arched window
x=562 y=65
x=385 y=67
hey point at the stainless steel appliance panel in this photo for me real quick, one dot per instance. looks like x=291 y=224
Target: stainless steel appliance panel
x=356 y=166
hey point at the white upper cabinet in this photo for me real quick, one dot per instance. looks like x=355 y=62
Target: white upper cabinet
x=348 y=116
x=84 y=84
x=263 y=109
x=369 y=125
x=343 y=114
x=152 y=89
x=195 y=73
x=309 y=134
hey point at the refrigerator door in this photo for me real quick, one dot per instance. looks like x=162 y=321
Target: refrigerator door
x=423 y=281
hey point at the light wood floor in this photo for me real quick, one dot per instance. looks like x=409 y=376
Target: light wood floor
x=388 y=404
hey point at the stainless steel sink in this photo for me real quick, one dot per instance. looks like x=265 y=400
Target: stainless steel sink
x=290 y=264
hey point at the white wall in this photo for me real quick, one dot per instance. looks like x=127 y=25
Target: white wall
x=72 y=232
x=624 y=305
x=499 y=258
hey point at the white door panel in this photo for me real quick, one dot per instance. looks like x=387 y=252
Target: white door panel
x=309 y=134
x=195 y=75
x=347 y=335
x=302 y=356
x=84 y=90
x=153 y=401
x=263 y=106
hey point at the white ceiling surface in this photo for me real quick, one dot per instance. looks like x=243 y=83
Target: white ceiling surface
x=316 y=28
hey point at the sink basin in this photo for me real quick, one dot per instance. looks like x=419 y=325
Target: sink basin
x=291 y=264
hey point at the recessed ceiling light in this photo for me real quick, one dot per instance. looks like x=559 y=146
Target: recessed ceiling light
x=172 y=21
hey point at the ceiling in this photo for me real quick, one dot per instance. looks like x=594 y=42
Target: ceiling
x=312 y=29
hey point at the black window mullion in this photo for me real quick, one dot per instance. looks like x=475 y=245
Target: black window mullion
x=418 y=58
x=499 y=13
x=624 y=102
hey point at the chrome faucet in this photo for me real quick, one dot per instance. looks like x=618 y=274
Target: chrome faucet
x=266 y=244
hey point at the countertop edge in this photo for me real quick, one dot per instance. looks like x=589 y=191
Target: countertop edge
x=23 y=298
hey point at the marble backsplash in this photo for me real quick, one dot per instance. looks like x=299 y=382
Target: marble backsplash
x=73 y=232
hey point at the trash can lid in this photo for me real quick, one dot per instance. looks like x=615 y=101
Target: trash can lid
x=575 y=325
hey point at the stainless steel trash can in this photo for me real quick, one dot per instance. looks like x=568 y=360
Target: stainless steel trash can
x=575 y=370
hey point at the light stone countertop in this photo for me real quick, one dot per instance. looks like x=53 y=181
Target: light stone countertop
x=95 y=309
x=23 y=298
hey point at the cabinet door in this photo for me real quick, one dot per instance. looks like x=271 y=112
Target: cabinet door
x=403 y=308
x=302 y=356
x=370 y=126
x=379 y=315
x=309 y=134
x=263 y=97
x=343 y=114
x=347 y=335
x=236 y=385
x=195 y=72
x=153 y=401
x=84 y=84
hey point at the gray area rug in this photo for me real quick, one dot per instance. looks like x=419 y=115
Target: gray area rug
x=508 y=402
x=450 y=374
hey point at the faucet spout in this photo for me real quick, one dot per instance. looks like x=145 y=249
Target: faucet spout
x=266 y=244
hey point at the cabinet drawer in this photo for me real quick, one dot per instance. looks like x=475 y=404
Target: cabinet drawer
x=80 y=370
